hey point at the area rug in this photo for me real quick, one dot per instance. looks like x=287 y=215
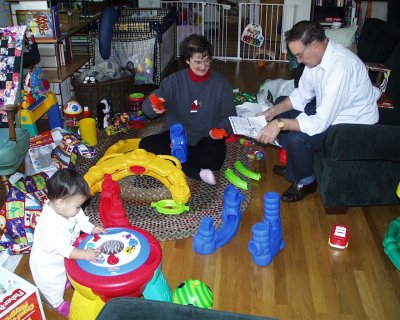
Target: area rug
x=137 y=192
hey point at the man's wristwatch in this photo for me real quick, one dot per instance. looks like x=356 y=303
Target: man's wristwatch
x=281 y=124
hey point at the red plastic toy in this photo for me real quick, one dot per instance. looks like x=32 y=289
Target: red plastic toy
x=219 y=133
x=339 y=237
x=157 y=102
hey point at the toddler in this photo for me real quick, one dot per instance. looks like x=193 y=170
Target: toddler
x=58 y=226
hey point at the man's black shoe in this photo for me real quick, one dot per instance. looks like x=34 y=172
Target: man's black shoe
x=279 y=170
x=298 y=191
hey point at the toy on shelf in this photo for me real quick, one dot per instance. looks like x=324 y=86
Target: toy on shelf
x=72 y=111
x=157 y=102
x=179 y=148
x=267 y=238
x=195 y=293
x=391 y=242
x=207 y=239
x=124 y=159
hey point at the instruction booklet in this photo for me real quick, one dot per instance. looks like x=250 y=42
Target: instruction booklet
x=249 y=126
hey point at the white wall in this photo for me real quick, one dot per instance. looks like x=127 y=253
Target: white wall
x=302 y=10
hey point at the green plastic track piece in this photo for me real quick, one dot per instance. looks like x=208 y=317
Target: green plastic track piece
x=235 y=180
x=169 y=206
x=239 y=166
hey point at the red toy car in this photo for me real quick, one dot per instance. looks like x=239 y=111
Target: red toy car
x=339 y=237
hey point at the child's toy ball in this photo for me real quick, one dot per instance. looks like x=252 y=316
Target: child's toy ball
x=339 y=237
x=72 y=108
x=193 y=292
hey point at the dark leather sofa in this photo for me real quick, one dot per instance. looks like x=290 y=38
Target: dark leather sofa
x=360 y=164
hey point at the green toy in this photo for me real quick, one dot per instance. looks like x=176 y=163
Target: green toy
x=235 y=180
x=169 y=206
x=239 y=166
x=391 y=242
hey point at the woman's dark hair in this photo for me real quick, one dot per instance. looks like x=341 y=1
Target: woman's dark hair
x=195 y=44
x=66 y=183
x=306 y=32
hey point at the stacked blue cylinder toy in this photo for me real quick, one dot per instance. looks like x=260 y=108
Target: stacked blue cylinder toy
x=267 y=238
x=178 y=142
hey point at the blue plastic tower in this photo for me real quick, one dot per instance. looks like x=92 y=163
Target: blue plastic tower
x=178 y=142
x=207 y=239
x=267 y=235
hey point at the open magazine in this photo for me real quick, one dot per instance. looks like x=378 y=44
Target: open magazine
x=249 y=126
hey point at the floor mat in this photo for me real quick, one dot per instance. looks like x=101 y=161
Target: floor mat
x=137 y=192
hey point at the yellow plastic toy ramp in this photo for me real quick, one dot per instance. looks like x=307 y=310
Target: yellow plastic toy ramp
x=166 y=169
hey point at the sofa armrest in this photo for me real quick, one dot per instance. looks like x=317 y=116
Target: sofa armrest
x=362 y=142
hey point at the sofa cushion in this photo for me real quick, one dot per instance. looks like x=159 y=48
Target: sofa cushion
x=364 y=44
x=390 y=116
x=381 y=43
x=393 y=86
x=344 y=36
x=346 y=142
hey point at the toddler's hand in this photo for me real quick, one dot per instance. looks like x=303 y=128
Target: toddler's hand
x=99 y=229
x=92 y=254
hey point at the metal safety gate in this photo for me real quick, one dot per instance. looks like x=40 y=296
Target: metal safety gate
x=247 y=31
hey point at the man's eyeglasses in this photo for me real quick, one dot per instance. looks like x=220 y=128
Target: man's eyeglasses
x=299 y=56
x=198 y=63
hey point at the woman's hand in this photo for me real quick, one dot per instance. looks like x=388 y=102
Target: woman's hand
x=157 y=103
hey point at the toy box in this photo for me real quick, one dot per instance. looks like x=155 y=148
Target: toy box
x=19 y=299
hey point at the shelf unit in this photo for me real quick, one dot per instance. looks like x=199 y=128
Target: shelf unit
x=328 y=11
x=73 y=60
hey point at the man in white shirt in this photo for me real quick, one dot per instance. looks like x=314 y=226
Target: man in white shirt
x=339 y=81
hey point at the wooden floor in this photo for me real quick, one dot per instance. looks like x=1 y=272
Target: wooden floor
x=307 y=279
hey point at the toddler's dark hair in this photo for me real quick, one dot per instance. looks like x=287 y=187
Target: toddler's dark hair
x=66 y=183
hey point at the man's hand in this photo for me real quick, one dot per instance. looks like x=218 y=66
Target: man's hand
x=268 y=114
x=269 y=133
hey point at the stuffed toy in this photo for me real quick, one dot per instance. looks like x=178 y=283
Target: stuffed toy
x=103 y=114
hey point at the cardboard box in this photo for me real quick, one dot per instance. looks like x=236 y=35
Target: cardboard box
x=19 y=299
